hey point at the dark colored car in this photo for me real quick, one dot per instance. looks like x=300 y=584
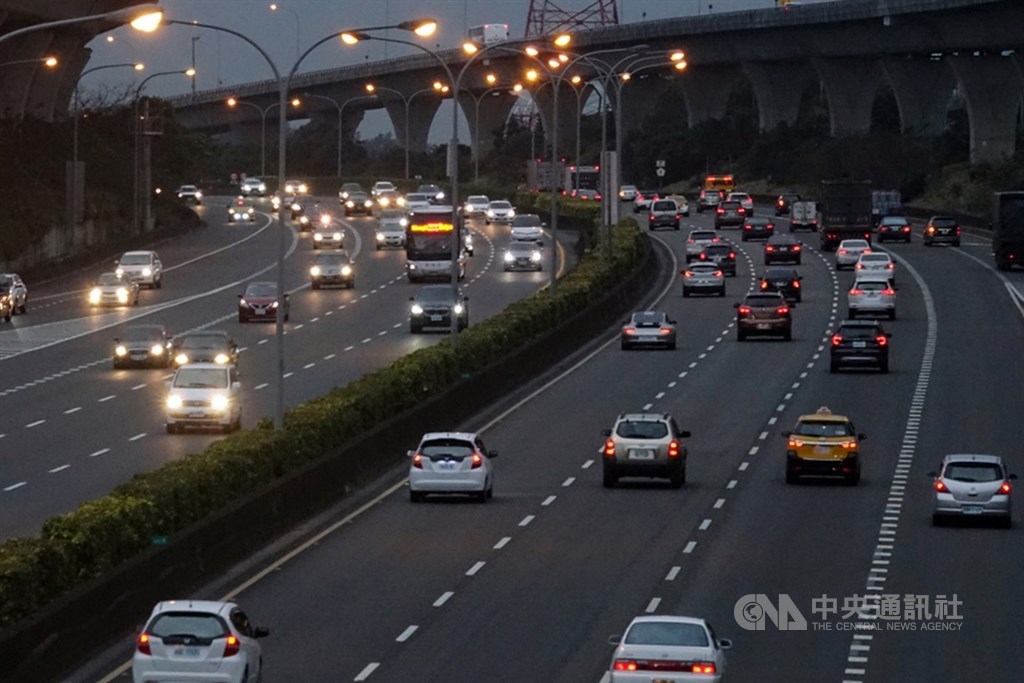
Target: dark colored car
x=730 y=213
x=767 y=314
x=757 y=228
x=142 y=346
x=942 y=230
x=786 y=281
x=722 y=255
x=785 y=201
x=894 y=229
x=205 y=346
x=358 y=202
x=259 y=302
x=860 y=344
x=782 y=248
x=434 y=305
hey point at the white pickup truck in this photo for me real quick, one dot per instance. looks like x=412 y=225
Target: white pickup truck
x=803 y=216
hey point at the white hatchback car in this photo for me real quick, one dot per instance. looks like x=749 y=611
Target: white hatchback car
x=871 y=295
x=143 y=267
x=451 y=462
x=204 y=395
x=253 y=186
x=627 y=193
x=476 y=205
x=499 y=211
x=849 y=251
x=876 y=264
x=198 y=640
x=697 y=240
x=703 y=278
x=670 y=649
x=744 y=199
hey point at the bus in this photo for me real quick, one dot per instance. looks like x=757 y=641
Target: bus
x=581 y=178
x=725 y=183
x=428 y=245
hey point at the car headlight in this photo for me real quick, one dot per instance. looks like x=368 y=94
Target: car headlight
x=303 y=220
x=412 y=266
x=535 y=256
x=350 y=204
x=490 y=213
x=380 y=237
x=119 y=272
x=221 y=359
x=94 y=296
x=296 y=207
x=344 y=195
x=458 y=309
x=404 y=222
x=317 y=237
x=417 y=309
x=180 y=195
x=303 y=188
x=367 y=203
x=511 y=213
x=219 y=402
x=181 y=359
x=384 y=201
x=439 y=196
x=509 y=258
x=147 y=271
x=400 y=201
x=156 y=350
x=122 y=294
x=242 y=302
x=199 y=195
x=337 y=236
x=314 y=271
x=346 y=270
x=262 y=188
x=275 y=202
x=174 y=401
x=120 y=350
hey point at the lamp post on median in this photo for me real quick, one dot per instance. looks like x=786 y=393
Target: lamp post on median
x=491 y=79
x=407 y=103
x=337 y=106
x=235 y=102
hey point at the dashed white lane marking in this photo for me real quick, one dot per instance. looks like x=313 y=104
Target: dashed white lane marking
x=652 y=605
x=13 y=487
x=139 y=386
x=772 y=420
x=30 y=425
x=762 y=436
x=568 y=482
x=704 y=525
x=502 y=543
x=396 y=325
x=138 y=436
x=753 y=450
x=647 y=406
x=660 y=395
x=72 y=410
x=671 y=385
x=587 y=465
x=743 y=466
x=526 y=520
x=288 y=374
x=365 y=673
x=548 y=501
x=475 y=568
x=299 y=326
x=61 y=468
x=719 y=503
x=673 y=573
x=681 y=374
x=99 y=452
x=312 y=321
x=689 y=547
x=107 y=398
x=260 y=386
x=406 y=634
x=693 y=365
x=349 y=348
x=732 y=484
x=445 y=597
x=307 y=366
x=262 y=341
x=329 y=356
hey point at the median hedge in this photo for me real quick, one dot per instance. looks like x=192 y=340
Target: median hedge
x=80 y=545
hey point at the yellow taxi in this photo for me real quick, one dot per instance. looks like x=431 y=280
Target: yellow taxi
x=823 y=444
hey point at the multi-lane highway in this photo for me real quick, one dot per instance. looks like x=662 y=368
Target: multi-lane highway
x=530 y=586
x=71 y=427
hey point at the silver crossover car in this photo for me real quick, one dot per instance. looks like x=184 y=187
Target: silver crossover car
x=972 y=486
x=703 y=278
x=644 y=445
x=649 y=328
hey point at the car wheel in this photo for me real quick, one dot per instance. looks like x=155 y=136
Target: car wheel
x=671 y=346
x=741 y=336
x=625 y=346
x=286 y=317
x=159 y=283
x=851 y=313
x=791 y=476
x=481 y=497
x=315 y=285
x=788 y=335
x=833 y=367
x=686 y=292
x=892 y=314
x=676 y=227
x=721 y=292
x=884 y=367
x=415 y=329
x=1005 y=522
x=172 y=428
x=415 y=496
x=490 y=490
x=956 y=244
x=852 y=479
x=242 y=319
x=938 y=520
x=23 y=308
x=117 y=365
x=610 y=478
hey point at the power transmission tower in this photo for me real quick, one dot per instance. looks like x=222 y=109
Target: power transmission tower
x=546 y=17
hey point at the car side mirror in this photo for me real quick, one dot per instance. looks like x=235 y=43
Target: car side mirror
x=117 y=262
x=492 y=454
x=167 y=384
x=410 y=453
x=117 y=340
x=465 y=298
x=543 y=225
x=412 y=298
x=606 y=432
x=724 y=643
x=614 y=640
x=861 y=437
x=786 y=433
x=683 y=433
x=261 y=632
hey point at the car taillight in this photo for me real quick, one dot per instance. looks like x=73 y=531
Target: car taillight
x=678 y=216
x=931 y=230
x=624 y=665
x=732 y=254
x=856 y=291
x=794 y=443
x=746 y=227
x=850 y=445
x=796 y=247
x=891 y=266
x=691 y=242
x=1005 y=488
x=744 y=310
x=417 y=461
x=769 y=248
x=666 y=330
x=866 y=251
x=703 y=668
x=889 y=292
x=741 y=210
x=837 y=339
x=673 y=449
x=477 y=461
x=841 y=251
x=796 y=284
x=782 y=310
x=958 y=229
x=940 y=487
x=771 y=226
x=142 y=643
x=629 y=330
x=688 y=273
x=716 y=240
x=720 y=211
x=718 y=273
x=609 y=448
x=232 y=647
x=651 y=217
x=906 y=228
x=882 y=340
x=764 y=285
x=780 y=202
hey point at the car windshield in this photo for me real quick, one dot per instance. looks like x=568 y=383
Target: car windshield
x=527 y=220
x=351 y=187
x=642 y=429
x=859 y=332
x=201 y=378
x=261 y=289
x=203 y=341
x=894 y=220
x=455 y=447
x=6 y=283
x=978 y=472
x=134 y=260
x=384 y=186
x=667 y=633
x=822 y=428
x=853 y=244
x=478 y=199
x=500 y=205
x=440 y=294
x=141 y=334
x=109 y=279
x=332 y=259
x=357 y=195
x=196 y=624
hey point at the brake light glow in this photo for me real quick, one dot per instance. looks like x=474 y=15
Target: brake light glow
x=703 y=668
x=744 y=310
x=417 y=461
x=732 y=254
x=720 y=211
x=931 y=230
x=232 y=647
x=746 y=227
x=796 y=284
x=666 y=330
x=651 y=217
x=795 y=443
x=891 y=266
x=842 y=251
x=882 y=340
x=782 y=310
x=673 y=449
x=630 y=330
x=142 y=644
x=856 y=291
x=678 y=216
x=769 y=248
x=958 y=229
x=764 y=284
x=796 y=247
x=477 y=461
x=688 y=273
x=625 y=665
x=906 y=228
x=1005 y=488
x=940 y=487
x=837 y=339
x=609 y=448
x=718 y=273
x=781 y=202
x=889 y=292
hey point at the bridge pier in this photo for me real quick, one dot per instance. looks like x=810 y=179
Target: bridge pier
x=566 y=117
x=923 y=90
x=494 y=109
x=991 y=87
x=707 y=92
x=779 y=89
x=421 y=116
x=850 y=86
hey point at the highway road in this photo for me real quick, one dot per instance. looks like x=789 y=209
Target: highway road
x=72 y=428
x=530 y=586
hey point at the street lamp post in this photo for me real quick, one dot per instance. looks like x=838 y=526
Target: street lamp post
x=234 y=102
x=298 y=27
x=48 y=62
x=336 y=106
x=141 y=17
x=476 y=127
x=407 y=103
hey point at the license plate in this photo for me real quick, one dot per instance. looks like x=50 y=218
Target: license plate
x=822 y=450
x=139 y=356
x=641 y=454
x=186 y=652
x=763 y=326
x=447 y=466
x=196 y=413
x=859 y=345
x=972 y=509
x=435 y=318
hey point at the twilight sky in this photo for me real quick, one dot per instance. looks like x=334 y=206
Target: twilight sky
x=221 y=59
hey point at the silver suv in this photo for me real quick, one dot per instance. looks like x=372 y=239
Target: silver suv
x=644 y=445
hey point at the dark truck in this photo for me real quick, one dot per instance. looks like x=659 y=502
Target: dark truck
x=845 y=212
x=1008 y=229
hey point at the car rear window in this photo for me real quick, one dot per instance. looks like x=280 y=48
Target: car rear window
x=764 y=300
x=859 y=332
x=875 y=258
x=717 y=249
x=703 y=268
x=647 y=318
x=973 y=472
x=894 y=220
x=730 y=205
x=664 y=205
x=871 y=286
x=642 y=429
x=944 y=223
x=667 y=633
x=454 y=447
x=854 y=244
x=703 y=235
x=196 y=624
x=823 y=428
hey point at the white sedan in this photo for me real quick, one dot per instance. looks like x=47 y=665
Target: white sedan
x=876 y=264
x=451 y=462
x=198 y=640
x=871 y=295
x=476 y=205
x=849 y=252
x=499 y=211
x=670 y=649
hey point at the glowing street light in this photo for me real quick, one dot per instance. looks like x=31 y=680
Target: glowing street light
x=677 y=56
x=562 y=40
x=491 y=79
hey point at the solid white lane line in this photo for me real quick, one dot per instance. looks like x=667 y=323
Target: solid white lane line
x=445 y=597
x=652 y=605
x=30 y=425
x=502 y=543
x=526 y=520
x=365 y=673
x=12 y=487
x=689 y=547
x=61 y=468
x=406 y=634
x=72 y=410
x=549 y=500
x=475 y=568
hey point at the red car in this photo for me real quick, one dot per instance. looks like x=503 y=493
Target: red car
x=259 y=302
